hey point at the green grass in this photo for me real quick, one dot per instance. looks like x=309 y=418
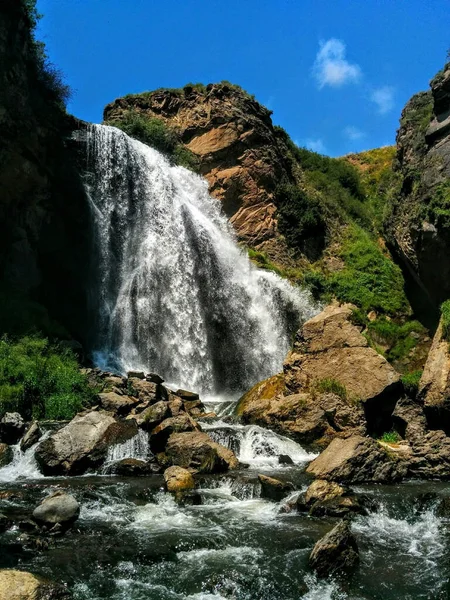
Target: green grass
x=398 y=336
x=390 y=437
x=445 y=318
x=40 y=380
x=330 y=386
x=155 y=133
x=411 y=383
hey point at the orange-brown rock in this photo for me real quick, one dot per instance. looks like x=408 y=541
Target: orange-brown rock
x=233 y=137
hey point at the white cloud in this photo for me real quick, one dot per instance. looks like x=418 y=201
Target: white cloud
x=332 y=68
x=383 y=97
x=353 y=133
x=316 y=145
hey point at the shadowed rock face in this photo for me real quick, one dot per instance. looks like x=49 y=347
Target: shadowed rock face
x=336 y=553
x=233 y=137
x=419 y=229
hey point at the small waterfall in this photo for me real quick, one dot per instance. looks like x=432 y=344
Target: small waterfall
x=136 y=447
x=256 y=446
x=176 y=293
x=23 y=464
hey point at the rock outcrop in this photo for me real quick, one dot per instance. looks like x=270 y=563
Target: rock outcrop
x=419 y=228
x=233 y=138
x=82 y=444
x=336 y=553
x=20 y=585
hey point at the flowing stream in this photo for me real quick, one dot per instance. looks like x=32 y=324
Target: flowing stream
x=175 y=294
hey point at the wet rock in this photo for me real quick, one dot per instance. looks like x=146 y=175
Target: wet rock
x=356 y=460
x=285 y=459
x=430 y=457
x=186 y=395
x=82 y=443
x=409 y=419
x=274 y=489
x=31 y=437
x=6 y=455
x=114 y=383
x=12 y=427
x=146 y=391
x=434 y=386
x=178 y=479
x=188 y=498
x=21 y=585
x=5 y=523
x=194 y=407
x=133 y=467
x=330 y=347
x=336 y=553
x=196 y=450
x=59 y=508
x=175 y=406
x=117 y=403
x=326 y=498
x=161 y=433
x=136 y=374
x=154 y=378
x=443 y=508
x=153 y=415
x=321 y=490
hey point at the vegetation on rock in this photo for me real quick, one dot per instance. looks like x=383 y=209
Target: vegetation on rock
x=445 y=316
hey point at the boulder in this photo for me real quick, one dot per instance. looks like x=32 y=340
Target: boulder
x=330 y=348
x=117 y=403
x=153 y=415
x=194 y=407
x=154 y=378
x=82 y=443
x=321 y=490
x=133 y=467
x=336 y=553
x=6 y=455
x=434 y=386
x=409 y=419
x=178 y=479
x=146 y=391
x=12 y=427
x=326 y=498
x=253 y=405
x=59 y=508
x=136 y=375
x=31 y=437
x=274 y=489
x=20 y=585
x=161 y=433
x=186 y=395
x=358 y=459
x=196 y=450
x=285 y=459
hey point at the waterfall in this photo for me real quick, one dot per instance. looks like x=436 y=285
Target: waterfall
x=175 y=292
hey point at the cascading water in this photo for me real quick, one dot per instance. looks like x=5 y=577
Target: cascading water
x=176 y=293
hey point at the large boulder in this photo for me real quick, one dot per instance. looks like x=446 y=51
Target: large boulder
x=152 y=416
x=327 y=498
x=274 y=489
x=196 y=450
x=32 y=436
x=336 y=553
x=20 y=585
x=358 y=459
x=58 y=509
x=82 y=443
x=12 y=427
x=161 y=433
x=330 y=349
x=117 y=403
x=178 y=479
x=434 y=386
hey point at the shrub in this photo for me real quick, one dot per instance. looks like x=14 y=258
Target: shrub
x=41 y=380
x=445 y=317
x=411 y=383
x=390 y=437
x=330 y=386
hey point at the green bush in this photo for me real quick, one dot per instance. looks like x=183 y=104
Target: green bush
x=390 y=437
x=438 y=209
x=445 y=317
x=411 y=383
x=41 y=380
x=330 y=386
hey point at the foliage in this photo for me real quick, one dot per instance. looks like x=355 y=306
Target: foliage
x=438 y=209
x=50 y=78
x=445 y=317
x=41 y=380
x=401 y=338
x=198 y=87
x=330 y=386
x=263 y=262
x=411 y=383
x=390 y=437
x=154 y=132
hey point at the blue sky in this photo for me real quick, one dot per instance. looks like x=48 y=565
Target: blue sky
x=336 y=73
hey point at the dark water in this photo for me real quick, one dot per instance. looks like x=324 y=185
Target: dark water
x=133 y=542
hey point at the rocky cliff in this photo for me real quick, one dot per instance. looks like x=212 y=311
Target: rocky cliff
x=43 y=215
x=419 y=227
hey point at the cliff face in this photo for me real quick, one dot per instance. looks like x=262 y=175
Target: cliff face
x=419 y=229
x=238 y=151
x=43 y=214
